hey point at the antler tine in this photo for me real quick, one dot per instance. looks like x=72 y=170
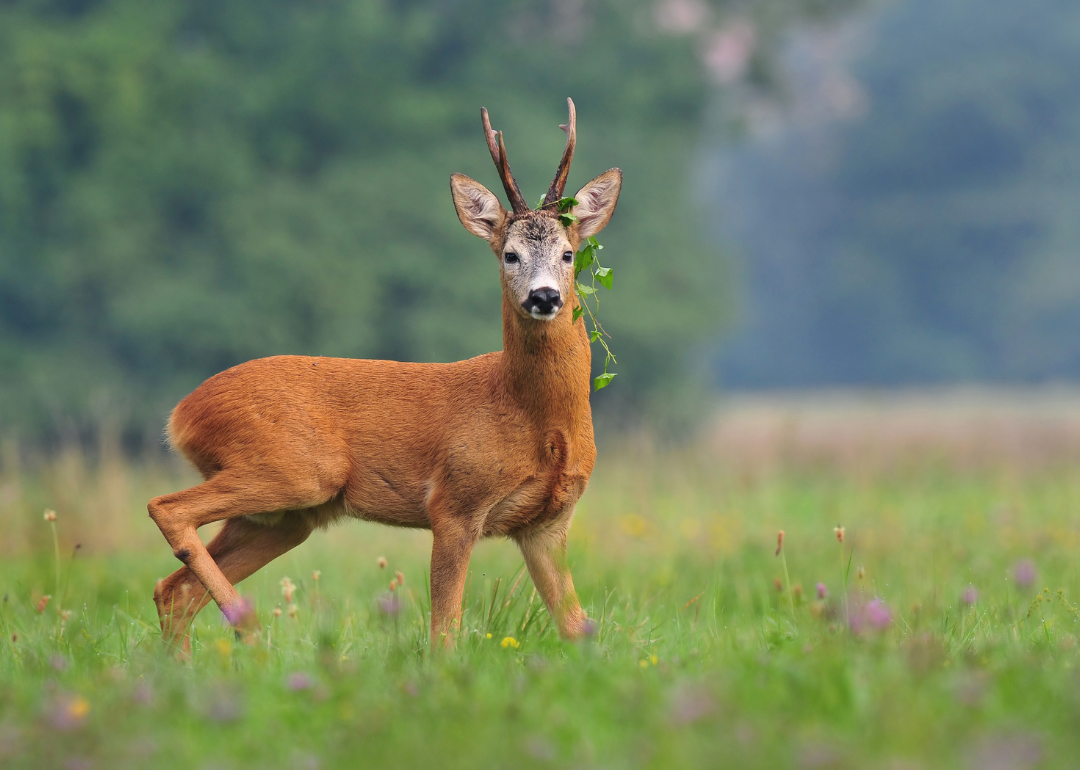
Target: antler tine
x=498 y=154
x=555 y=192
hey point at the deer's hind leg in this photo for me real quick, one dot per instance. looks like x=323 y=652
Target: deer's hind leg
x=180 y=515
x=240 y=549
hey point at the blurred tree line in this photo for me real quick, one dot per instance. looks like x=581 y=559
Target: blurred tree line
x=188 y=185
x=934 y=237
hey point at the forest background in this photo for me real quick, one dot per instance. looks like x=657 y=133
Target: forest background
x=819 y=192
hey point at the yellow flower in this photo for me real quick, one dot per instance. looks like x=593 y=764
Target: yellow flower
x=488 y=636
x=654 y=660
x=223 y=648
x=510 y=642
x=79 y=707
x=644 y=663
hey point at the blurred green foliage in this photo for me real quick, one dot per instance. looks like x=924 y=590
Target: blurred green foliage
x=188 y=185
x=933 y=238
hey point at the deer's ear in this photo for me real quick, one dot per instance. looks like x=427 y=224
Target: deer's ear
x=477 y=208
x=596 y=202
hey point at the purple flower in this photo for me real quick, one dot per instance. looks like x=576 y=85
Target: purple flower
x=389 y=604
x=874 y=615
x=822 y=591
x=299 y=681
x=589 y=628
x=970 y=595
x=1024 y=573
x=878 y=614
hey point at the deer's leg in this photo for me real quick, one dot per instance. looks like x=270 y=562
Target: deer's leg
x=240 y=549
x=545 y=556
x=450 y=551
x=180 y=514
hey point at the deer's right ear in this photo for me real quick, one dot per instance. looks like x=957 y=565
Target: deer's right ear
x=477 y=208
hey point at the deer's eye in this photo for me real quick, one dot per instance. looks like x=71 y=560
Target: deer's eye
x=511 y=258
x=568 y=256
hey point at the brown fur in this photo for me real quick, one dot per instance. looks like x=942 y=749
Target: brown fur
x=496 y=446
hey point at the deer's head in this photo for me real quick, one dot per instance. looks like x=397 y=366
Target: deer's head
x=535 y=249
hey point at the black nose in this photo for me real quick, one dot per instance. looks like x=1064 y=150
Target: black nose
x=544 y=301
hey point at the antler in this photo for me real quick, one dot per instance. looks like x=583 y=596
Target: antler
x=498 y=154
x=555 y=192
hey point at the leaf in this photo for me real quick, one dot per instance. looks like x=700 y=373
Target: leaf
x=567 y=219
x=578 y=311
x=594 y=335
x=567 y=203
x=605 y=276
x=583 y=289
x=603 y=380
x=540 y=202
x=583 y=260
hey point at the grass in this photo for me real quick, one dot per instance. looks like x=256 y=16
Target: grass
x=706 y=652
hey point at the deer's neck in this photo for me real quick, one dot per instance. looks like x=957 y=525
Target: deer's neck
x=546 y=368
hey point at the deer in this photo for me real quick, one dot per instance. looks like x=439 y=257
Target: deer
x=500 y=445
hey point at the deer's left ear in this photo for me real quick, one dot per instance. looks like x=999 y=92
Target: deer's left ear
x=596 y=202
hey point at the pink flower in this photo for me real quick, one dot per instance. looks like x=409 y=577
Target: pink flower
x=878 y=614
x=1024 y=573
x=874 y=615
x=969 y=595
x=822 y=591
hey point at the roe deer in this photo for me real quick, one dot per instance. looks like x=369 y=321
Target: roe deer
x=499 y=445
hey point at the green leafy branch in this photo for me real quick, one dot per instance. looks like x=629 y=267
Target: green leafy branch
x=587 y=261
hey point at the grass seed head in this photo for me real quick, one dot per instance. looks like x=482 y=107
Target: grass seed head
x=287 y=589
x=50 y=515
x=381 y=562
x=42 y=603
x=839 y=533
x=779 y=542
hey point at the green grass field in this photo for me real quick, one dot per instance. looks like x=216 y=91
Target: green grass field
x=954 y=643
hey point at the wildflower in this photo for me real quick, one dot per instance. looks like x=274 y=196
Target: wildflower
x=822 y=591
x=1024 y=573
x=223 y=648
x=239 y=612
x=839 y=533
x=797 y=590
x=277 y=612
x=969 y=596
x=861 y=573
x=293 y=610
x=299 y=681
x=65 y=615
x=878 y=614
x=779 y=542
x=644 y=663
x=400 y=578
x=589 y=627
x=68 y=712
x=50 y=515
x=43 y=602
x=381 y=561
x=488 y=635
x=315 y=575
x=389 y=604
x=874 y=615
x=393 y=584
x=779 y=584
x=510 y=642
x=287 y=589
x=654 y=660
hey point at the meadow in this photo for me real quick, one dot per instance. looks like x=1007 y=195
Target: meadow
x=941 y=632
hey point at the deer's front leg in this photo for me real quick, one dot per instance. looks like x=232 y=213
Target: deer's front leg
x=545 y=556
x=450 y=552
